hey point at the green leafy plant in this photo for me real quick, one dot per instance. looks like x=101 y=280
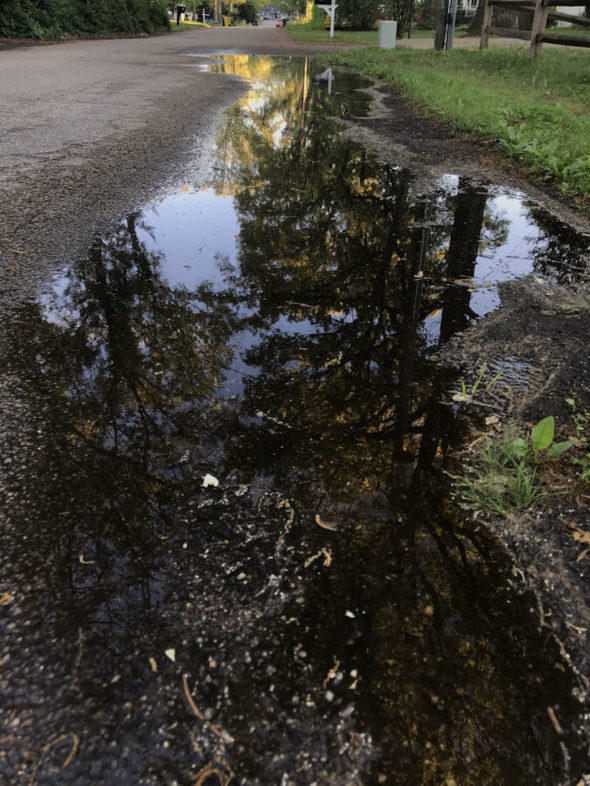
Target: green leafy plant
x=542 y=437
x=504 y=474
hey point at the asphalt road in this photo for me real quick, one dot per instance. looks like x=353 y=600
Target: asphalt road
x=89 y=129
x=64 y=99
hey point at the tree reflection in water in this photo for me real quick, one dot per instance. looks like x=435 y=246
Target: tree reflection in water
x=393 y=647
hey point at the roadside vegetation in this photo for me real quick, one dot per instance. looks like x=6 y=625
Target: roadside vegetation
x=535 y=111
x=508 y=471
x=52 y=19
x=509 y=466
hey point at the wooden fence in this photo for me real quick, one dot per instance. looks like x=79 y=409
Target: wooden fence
x=541 y=15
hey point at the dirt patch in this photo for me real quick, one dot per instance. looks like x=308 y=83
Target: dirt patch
x=541 y=330
x=400 y=130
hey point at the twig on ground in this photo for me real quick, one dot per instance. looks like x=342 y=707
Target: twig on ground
x=227 y=738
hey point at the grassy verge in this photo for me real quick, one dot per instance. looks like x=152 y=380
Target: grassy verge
x=537 y=111
x=303 y=32
x=319 y=32
x=505 y=468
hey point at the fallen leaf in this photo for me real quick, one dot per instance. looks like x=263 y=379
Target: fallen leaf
x=333 y=671
x=5 y=598
x=494 y=420
x=153 y=664
x=326 y=524
x=171 y=653
x=210 y=480
x=581 y=536
x=325 y=553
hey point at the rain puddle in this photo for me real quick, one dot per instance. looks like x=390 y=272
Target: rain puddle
x=232 y=553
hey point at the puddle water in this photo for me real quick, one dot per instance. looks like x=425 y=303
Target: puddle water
x=331 y=617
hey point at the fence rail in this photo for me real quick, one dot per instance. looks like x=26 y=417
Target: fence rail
x=537 y=34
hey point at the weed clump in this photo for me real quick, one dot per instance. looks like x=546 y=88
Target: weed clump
x=505 y=473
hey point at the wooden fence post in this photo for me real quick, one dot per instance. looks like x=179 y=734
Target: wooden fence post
x=539 y=23
x=486 y=21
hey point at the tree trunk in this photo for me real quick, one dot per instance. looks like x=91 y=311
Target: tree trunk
x=474 y=27
x=462 y=257
x=441 y=23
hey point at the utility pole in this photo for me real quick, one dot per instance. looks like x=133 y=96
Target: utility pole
x=445 y=24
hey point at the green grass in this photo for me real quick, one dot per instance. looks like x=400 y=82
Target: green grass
x=306 y=32
x=504 y=473
x=573 y=30
x=498 y=485
x=535 y=110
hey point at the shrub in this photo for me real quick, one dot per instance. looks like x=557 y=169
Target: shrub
x=54 y=18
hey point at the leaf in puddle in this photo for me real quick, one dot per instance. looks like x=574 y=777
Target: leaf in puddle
x=326 y=524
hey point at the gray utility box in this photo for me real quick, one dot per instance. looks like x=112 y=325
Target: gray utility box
x=387 y=34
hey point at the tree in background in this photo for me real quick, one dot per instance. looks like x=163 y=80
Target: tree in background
x=401 y=11
x=53 y=18
x=358 y=14
x=247 y=12
x=292 y=7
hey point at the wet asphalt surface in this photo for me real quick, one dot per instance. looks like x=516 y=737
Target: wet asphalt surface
x=159 y=628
